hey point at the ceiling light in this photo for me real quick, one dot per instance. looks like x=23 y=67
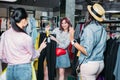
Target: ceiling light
x=112 y=11
x=9 y=0
x=111 y=0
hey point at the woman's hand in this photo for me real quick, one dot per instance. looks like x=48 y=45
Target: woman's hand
x=71 y=31
x=52 y=38
x=42 y=45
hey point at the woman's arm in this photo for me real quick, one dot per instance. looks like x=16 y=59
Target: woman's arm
x=75 y=43
x=79 y=47
x=54 y=39
x=42 y=46
x=30 y=48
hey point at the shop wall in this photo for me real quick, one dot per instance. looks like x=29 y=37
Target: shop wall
x=56 y=13
x=3 y=12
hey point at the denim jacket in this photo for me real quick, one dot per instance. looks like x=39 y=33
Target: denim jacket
x=93 y=40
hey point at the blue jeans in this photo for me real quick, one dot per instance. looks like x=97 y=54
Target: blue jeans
x=19 y=72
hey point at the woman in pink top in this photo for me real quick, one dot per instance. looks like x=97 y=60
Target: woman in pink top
x=17 y=49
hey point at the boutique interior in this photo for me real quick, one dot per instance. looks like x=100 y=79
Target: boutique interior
x=44 y=12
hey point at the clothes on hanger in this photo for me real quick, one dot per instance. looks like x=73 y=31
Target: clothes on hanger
x=49 y=54
x=117 y=66
x=110 y=56
x=31 y=29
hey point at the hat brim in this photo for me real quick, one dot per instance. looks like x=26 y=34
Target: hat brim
x=96 y=17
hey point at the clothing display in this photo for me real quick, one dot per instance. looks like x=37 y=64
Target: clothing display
x=31 y=29
x=110 y=57
x=49 y=54
x=117 y=66
x=111 y=54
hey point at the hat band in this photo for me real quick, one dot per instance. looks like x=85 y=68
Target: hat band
x=95 y=12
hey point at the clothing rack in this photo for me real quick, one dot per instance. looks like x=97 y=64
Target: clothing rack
x=106 y=21
x=3 y=17
x=113 y=31
x=42 y=31
x=111 y=21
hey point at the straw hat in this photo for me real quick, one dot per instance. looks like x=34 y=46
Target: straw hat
x=96 y=11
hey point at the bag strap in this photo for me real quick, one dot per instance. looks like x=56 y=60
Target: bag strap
x=99 y=39
x=93 y=48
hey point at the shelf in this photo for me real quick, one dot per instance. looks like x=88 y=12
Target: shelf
x=111 y=21
x=113 y=31
x=107 y=21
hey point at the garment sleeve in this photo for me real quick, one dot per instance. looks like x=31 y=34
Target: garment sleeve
x=30 y=48
x=87 y=40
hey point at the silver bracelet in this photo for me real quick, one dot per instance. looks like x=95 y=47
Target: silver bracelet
x=73 y=42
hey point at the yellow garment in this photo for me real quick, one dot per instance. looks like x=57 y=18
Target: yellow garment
x=3 y=74
x=36 y=47
x=78 y=53
x=36 y=64
x=47 y=33
x=37 y=42
x=33 y=72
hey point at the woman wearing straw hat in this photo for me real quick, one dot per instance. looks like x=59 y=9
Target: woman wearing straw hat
x=92 y=44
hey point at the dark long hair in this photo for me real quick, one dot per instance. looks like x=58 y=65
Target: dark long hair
x=16 y=17
x=91 y=19
x=67 y=21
